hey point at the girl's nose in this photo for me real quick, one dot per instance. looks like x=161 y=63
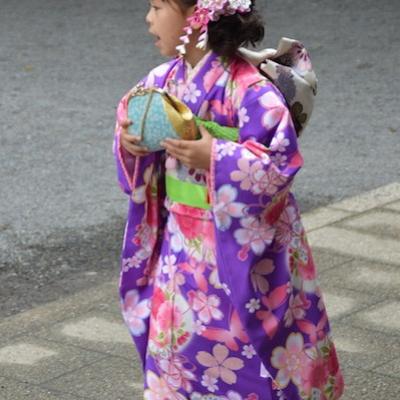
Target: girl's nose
x=148 y=17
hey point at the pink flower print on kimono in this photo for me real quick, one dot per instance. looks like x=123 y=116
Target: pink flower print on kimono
x=219 y=366
x=275 y=114
x=175 y=372
x=254 y=235
x=231 y=395
x=258 y=275
x=226 y=207
x=171 y=322
x=290 y=361
x=301 y=262
x=207 y=307
x=158 y=389
x=216 y=75
x=317 y=379
x=191 y=93
x=298 y=305
x=135 y=312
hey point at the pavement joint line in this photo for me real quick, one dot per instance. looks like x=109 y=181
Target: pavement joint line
x=341 y=264
x=77 y=346
x=38 y=386
x=362 y=309
x=371 y=330
x=387 y=296
x=384 y=363
x=44 y=383
x=357 y=368
x=375 y=373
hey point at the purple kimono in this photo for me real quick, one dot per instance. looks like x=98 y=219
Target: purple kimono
x=223 y=303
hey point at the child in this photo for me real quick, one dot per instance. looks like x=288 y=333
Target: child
x=218 y=285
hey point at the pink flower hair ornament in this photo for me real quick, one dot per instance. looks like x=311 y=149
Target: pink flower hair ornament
x=206 y=11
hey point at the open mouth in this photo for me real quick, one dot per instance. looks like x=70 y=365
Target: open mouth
x=156 y=38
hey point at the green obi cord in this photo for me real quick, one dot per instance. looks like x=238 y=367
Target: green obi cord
x=192 y=194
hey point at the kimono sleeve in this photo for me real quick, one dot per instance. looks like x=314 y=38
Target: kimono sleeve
x=125 y=161
x=250 y=180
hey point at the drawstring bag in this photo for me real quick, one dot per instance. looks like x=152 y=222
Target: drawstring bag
x=157 y=115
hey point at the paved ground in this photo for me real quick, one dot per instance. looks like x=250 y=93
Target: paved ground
x=64 y=65
x=77 y=347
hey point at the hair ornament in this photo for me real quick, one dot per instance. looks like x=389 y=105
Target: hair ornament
x=206 y=11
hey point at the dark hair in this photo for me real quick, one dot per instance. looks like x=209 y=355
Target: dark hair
x=226 y=35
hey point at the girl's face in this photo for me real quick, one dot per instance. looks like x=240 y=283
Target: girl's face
x=166 y=22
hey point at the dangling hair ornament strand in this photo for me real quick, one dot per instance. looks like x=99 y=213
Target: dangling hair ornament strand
x=206 y=11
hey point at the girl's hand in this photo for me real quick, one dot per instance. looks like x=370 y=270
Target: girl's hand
x=192 y=153
x=129 y=142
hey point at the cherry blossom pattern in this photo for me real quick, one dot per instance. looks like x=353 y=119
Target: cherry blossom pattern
x=290 y=361
x=131 y=262
x=158 y=389
x=191 y=93
x=245 y=172
x=209 y=382
x=253 y=305
x=258 y=275
x=276 y=112
x=176 y=238
x=226 y=207
x=175 y=373
x=223 y=149
x=297 y=308
x=135 y=312
x=248 y=351
x=243 y=117
x=254 y=235
x=279 y=142
x=279 y=159
x=205 y=306
x=170 y=268
x=219 y=364
x=267 y=181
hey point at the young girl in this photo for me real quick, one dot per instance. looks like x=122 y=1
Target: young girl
x=218 y=285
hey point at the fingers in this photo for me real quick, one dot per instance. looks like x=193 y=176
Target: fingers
x=136 y=150
x=174 y=149
x=125 y=123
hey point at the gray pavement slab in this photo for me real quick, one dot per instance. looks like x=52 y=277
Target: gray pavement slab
x=382 y=317
x=364 y=276
x=112 y=378
x=382 y=223
x=395 y=206
x=342 y=303
x=15 y=390
x=96 y=331
x=391 y=368
x=65 y=308
x=363 y=349
x=363 y=245
x=326 y=259
x=34 y=360
x=370 y=386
